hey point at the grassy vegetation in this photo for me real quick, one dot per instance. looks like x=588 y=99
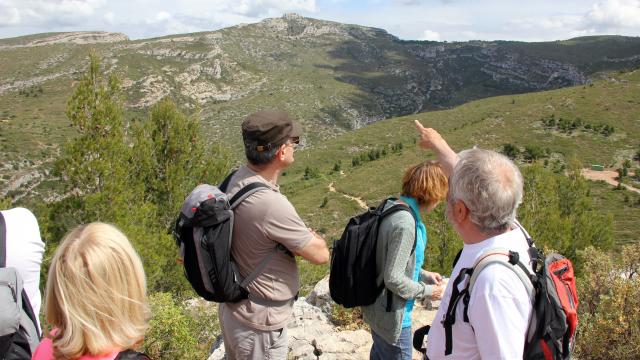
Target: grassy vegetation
x=333 y=82
x=624 y=205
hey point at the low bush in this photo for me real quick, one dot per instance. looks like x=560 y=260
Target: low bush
x=609 y=310
x=180 y=330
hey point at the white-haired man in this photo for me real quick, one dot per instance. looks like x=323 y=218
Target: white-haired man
x=485 y=189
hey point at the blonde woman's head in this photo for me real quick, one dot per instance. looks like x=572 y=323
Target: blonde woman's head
x=425 y=182
x=96 y=293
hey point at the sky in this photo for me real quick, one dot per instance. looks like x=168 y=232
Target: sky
x=440 y=20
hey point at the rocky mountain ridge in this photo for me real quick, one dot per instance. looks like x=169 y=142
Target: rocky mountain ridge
x=78 y=38
x=376 y=75
x=333 y=77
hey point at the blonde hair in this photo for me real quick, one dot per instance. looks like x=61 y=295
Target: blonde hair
x=425 y=182
x=96 y=293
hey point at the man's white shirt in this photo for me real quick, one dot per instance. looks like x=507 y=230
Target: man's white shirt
x=499 y=307
x=24 y=252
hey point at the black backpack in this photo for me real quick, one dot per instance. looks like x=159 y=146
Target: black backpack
x=203 y=232
x=131 y=355
x=19 y=334
x=354 y=279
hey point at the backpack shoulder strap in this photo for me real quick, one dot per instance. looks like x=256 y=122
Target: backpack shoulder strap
x=508 y=259
x=263 y=264
x=242 y=194
x=3 y=241
x=245 y=192
x=450 y=315
x=28 y=310
x=225 y=183
x=504 y=257
x=456 y=258
x=399 y=206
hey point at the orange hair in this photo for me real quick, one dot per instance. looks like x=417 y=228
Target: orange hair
x=425 y=182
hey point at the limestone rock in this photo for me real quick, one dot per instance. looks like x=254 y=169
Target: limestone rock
x=320 y=296
x=313 y=336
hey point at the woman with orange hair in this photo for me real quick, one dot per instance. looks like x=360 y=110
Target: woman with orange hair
x=400 y=254
x=95 y=298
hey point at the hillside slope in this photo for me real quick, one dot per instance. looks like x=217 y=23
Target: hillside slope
x=334 y=77
x=490 y=123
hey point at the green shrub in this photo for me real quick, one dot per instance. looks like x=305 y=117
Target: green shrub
x=609 y=310
x=559 y=213
x=179 y=332
x=532 y=153
x=347 y=319
x=311 y=173
x=510 y=150
x=5 y=203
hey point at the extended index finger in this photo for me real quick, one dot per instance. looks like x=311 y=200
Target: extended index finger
x=419 y=125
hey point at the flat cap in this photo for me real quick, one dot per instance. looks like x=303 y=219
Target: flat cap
x=269 y=128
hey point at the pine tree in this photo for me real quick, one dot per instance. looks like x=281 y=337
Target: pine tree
x=95 y=161
x=135 y=178
x=172 y=157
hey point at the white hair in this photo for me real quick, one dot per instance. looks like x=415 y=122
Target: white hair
x=491 y=187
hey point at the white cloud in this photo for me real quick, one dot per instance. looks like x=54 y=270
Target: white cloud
x=419 y=2
x=615 y=14
x=452 y=20
x=43 y=12
x=408 y=2
x=430 y=35
x=603 y=17
x=559 y=22
x=9 y=15
x=109 y=17
x=165 y=23
x=161 y=16
x=268 y=7
x=134 y=16
x=204 y=15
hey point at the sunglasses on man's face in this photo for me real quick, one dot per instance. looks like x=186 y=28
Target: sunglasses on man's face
x=293 y=142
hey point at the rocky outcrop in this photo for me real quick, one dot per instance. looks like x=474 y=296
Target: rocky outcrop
x=296 y=26
x=312 y=335
x=87 y=37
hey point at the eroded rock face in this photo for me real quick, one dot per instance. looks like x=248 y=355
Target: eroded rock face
x=312 y=335
x=85 y=37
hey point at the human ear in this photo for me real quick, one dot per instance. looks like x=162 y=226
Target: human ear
x=460 y=211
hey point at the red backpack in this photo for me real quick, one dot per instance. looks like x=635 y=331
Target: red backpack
x=552 y=287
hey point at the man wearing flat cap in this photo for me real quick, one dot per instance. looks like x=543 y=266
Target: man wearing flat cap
x=256 y=328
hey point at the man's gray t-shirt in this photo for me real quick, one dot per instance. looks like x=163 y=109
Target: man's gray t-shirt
x=263 y=220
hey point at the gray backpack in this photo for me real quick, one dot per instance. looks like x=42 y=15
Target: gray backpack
x=19 y=334
x=203 y=232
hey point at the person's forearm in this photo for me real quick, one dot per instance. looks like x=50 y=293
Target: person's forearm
x=316 y=251
x=446 y=156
